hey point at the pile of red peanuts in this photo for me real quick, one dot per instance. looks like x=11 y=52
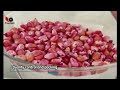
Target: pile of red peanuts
x=59 y=43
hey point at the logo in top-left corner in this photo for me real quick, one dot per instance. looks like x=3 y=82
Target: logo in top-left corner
x=8 y=20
